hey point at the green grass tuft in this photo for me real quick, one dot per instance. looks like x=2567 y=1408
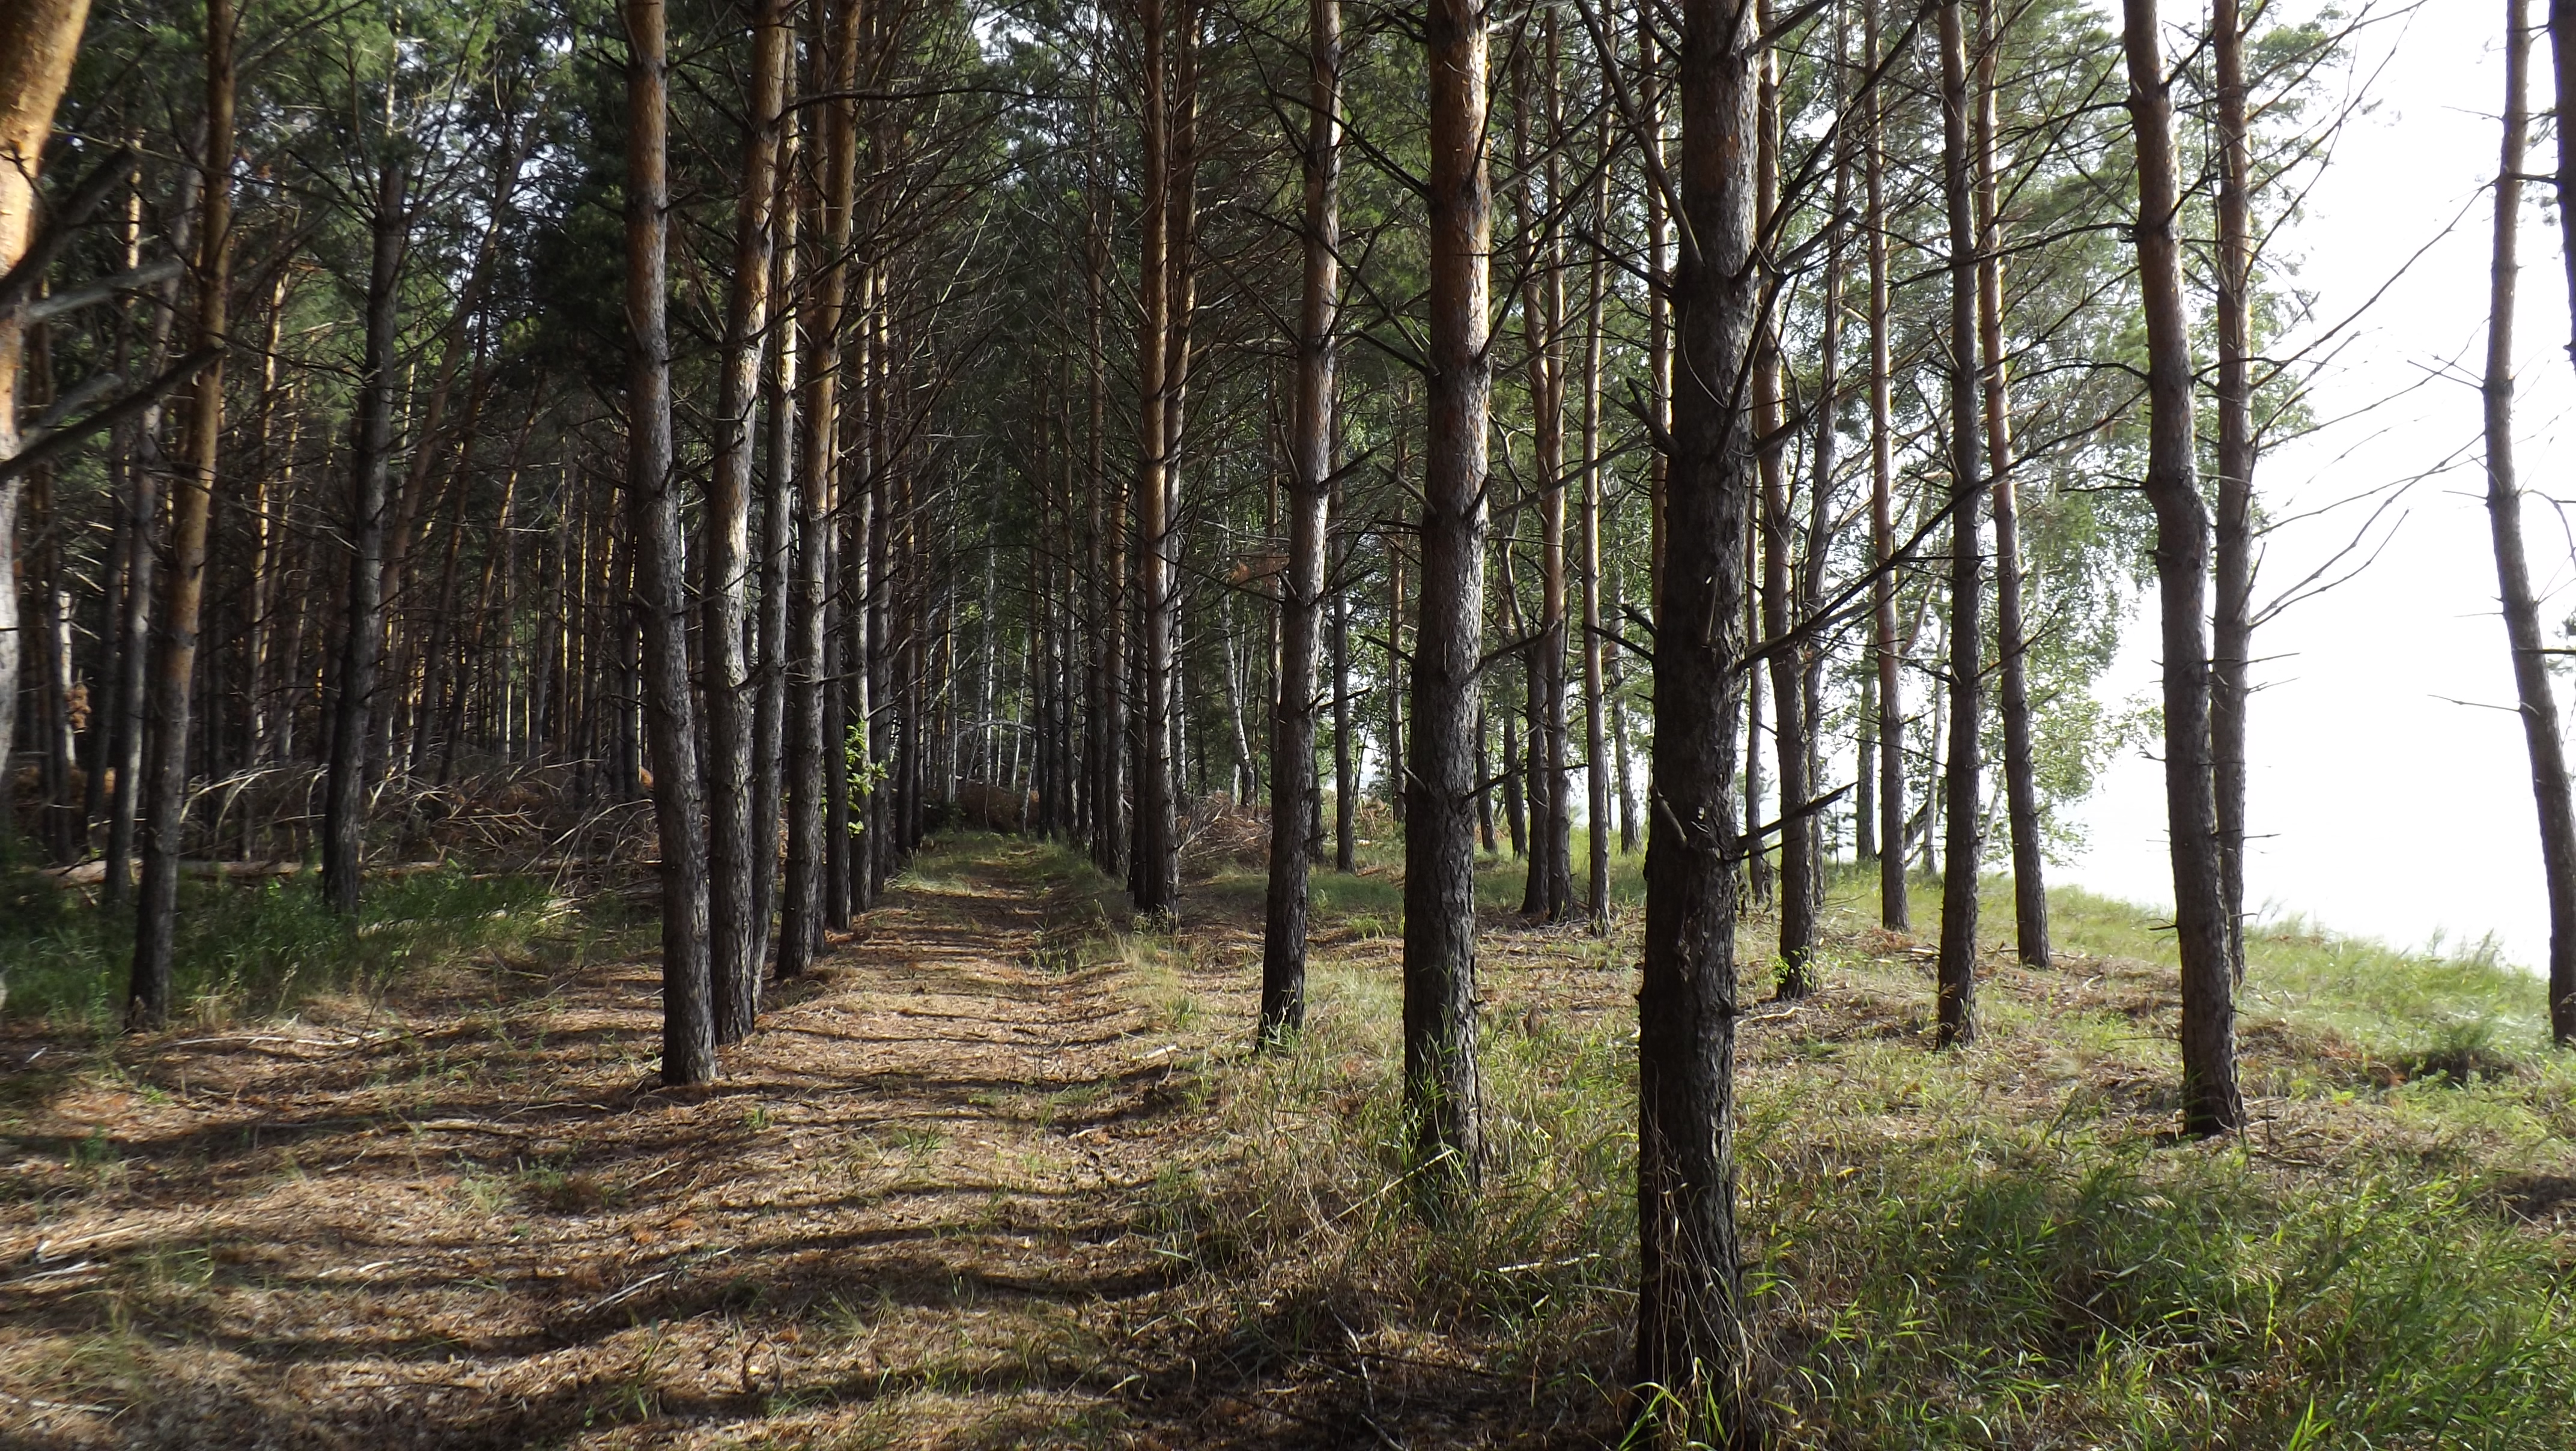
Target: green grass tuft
x=258 y=948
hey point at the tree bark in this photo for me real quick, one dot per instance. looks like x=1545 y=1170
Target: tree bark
x=858 y=818
x=777 y=551
x=1621 y=773
x=2537 y=697
x=2231 y=643
x=1346 y=783
x=1551 y=868
x=1396 y=788
x=344 y=811
x=2562 y=54
x=1659 y=306
x=1800 y=884
x=1153 y=861
x=1596 y=763
x=814 y=768
x=109 y=718
x=733 y=972
x=1963 y=849
x=2021 y=785
x=1760 y=884
x=1809 y=655
x=1895 y=912
x=2211 y=1103
x=1444 y=1094
x=1101 y=741
x=1691 y=1343
x=174 y=654
x=1116 y=821
x=268 y=514
x=1310 y=491
x=661 y=589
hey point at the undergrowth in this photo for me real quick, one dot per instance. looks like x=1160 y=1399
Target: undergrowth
x=2005 y=1246
x=254 y=949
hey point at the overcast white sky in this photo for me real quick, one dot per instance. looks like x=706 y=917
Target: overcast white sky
x=2388 y=777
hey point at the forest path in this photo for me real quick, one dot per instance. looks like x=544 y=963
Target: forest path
x=907 y=1215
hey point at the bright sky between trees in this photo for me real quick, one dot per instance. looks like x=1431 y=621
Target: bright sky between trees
x=2390 y=792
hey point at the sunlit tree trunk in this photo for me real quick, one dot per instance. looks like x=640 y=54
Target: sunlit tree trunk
x=661 y=589
x=1443 y=1091
x=813 y=757
x=733 y=971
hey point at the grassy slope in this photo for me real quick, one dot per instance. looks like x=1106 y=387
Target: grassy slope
x=2002 y=1246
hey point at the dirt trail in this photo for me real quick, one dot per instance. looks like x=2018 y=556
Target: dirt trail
x=907 y=1215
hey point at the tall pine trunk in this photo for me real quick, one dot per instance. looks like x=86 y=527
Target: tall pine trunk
x=1550 y=892
x=1798 y=881
x=2231 y=643
x=661 y=590
x=174 y=653
x=2211 y=1103
x=1690 y=1308
x=1895 y=912
x=1962 y=792
x=1310 y=490
x=733 y=971
x=2021 y=783
x=1346 y=780
x=1596 y=775
x=1809 y=655
x=777 y=552
x=344 y=815
x=1153 y=856
x=2538 y=698
x=814 y=771
x=1442 y=1088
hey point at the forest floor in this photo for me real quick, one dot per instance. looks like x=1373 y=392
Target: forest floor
x=468 y=1216
x=1004 y=1174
